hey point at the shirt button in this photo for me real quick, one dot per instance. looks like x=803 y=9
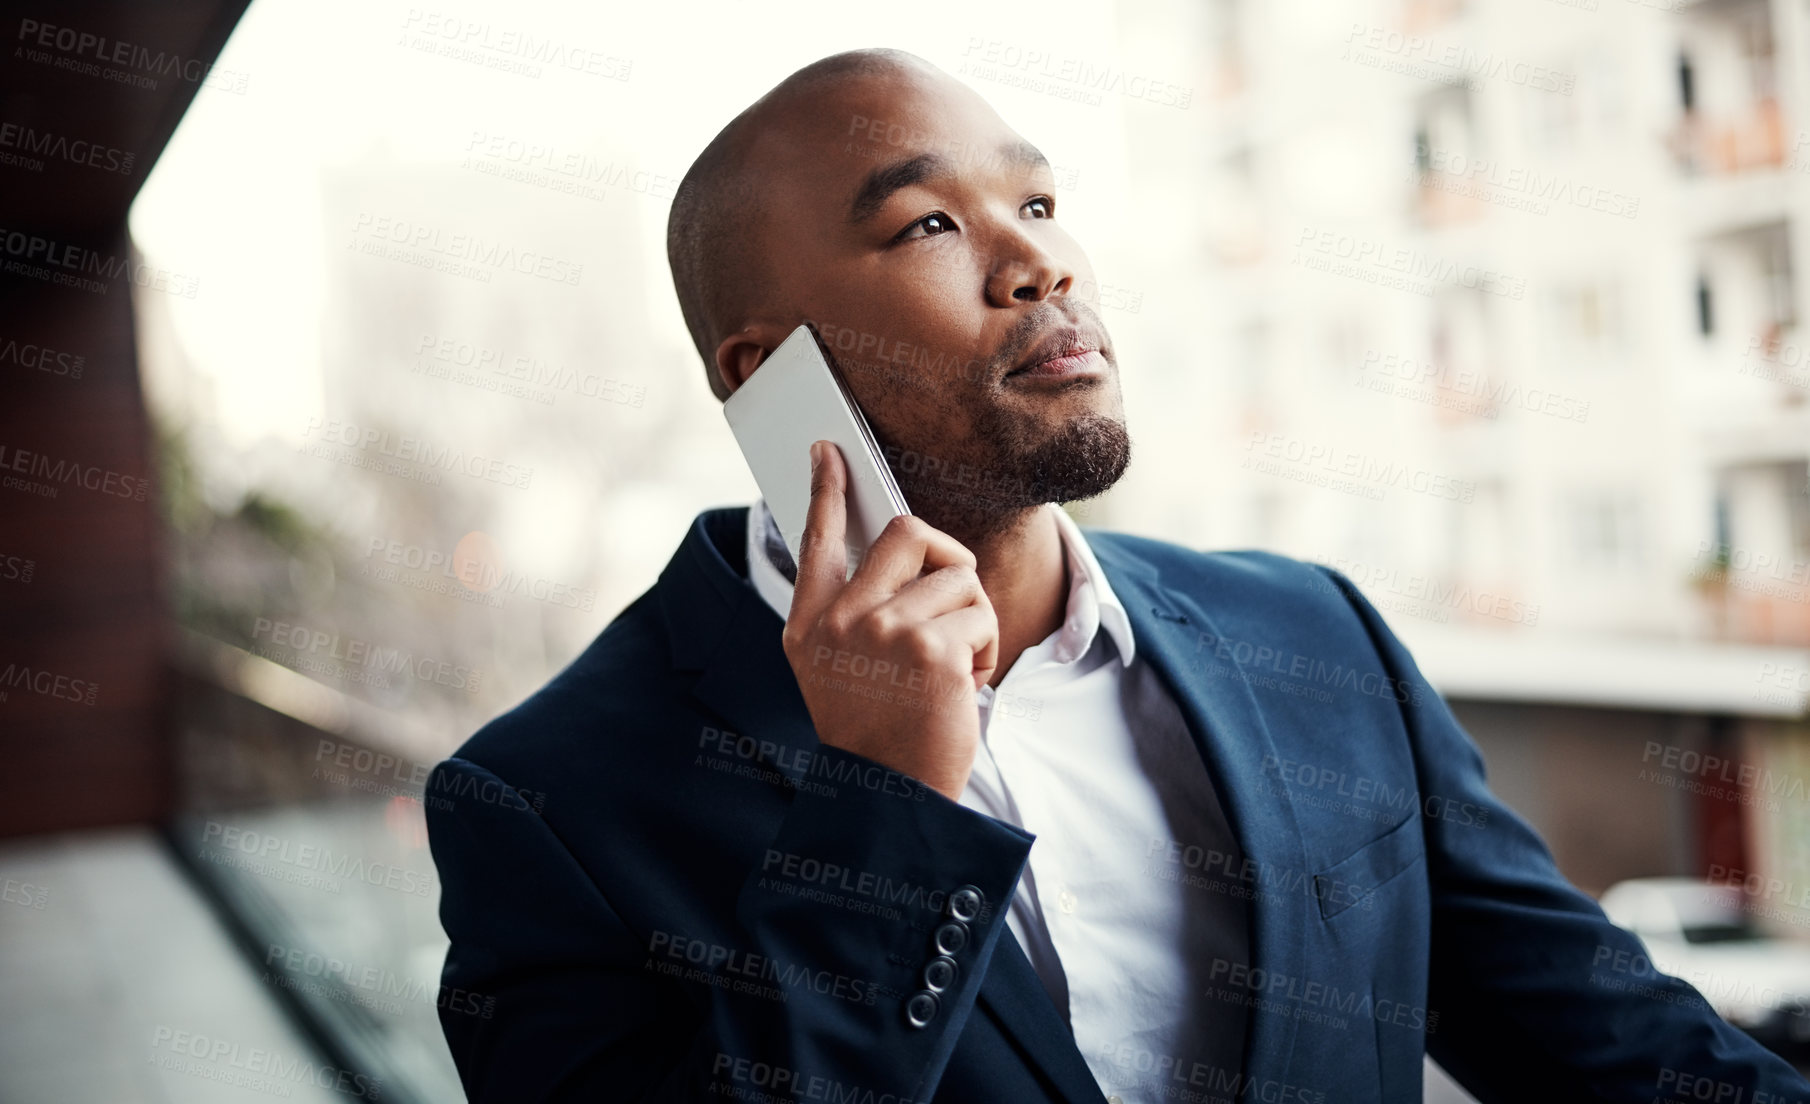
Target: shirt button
x=921 y=1009
x=964 y=903
x=1114 y=1100
x=1066 y=900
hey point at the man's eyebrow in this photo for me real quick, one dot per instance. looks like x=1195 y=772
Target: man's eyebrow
x=1022 y=152
x=882 y=182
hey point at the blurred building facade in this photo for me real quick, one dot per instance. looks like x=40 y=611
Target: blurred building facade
x=1512 y=335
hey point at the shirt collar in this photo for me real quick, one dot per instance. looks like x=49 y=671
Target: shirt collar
x=1091 y=603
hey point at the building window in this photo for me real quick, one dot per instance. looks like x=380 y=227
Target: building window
x=1606 y=531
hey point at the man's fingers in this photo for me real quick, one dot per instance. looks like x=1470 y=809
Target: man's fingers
x=934 y=594
x=976 y=627
x=822 y=555
x=905 y=548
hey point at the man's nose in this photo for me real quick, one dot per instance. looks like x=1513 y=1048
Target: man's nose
x=1025 y=272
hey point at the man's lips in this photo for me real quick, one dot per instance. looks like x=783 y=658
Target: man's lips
x=1062 y=355
x=1087 y=362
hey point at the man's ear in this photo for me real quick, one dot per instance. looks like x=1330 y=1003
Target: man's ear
x=742 y=351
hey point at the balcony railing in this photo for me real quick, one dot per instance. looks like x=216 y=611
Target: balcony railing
x=1729 y=144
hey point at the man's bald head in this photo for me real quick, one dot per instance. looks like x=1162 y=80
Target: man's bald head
x=713 y=237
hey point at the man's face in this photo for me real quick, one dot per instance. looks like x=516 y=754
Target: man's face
x=917 y=232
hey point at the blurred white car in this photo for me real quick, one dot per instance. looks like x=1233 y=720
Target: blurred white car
x=1701 y=933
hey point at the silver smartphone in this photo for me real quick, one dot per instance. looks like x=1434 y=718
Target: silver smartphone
x=794 y=397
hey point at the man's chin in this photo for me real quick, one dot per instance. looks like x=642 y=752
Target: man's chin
x=1083 y=458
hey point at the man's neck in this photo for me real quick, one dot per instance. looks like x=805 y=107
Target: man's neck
x=1024 y=571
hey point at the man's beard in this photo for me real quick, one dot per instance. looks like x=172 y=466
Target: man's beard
x=1004 y=472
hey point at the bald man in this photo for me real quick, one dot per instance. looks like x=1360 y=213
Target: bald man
x=1015 y=812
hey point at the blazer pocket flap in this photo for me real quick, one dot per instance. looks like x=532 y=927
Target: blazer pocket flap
x=1354 y=878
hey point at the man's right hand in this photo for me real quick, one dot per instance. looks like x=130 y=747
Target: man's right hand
x=888 y=660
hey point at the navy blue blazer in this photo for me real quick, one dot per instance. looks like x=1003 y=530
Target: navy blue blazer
x=660 y=886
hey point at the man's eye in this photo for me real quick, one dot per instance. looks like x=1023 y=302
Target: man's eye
x=1044 y=204
x=932 y=224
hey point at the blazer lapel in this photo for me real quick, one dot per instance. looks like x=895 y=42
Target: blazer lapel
x=1014 y=995
x=719 y=625
x=1176 y=635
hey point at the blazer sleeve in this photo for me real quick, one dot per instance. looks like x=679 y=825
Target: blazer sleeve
x=576 y=1006
x=1530 y=1004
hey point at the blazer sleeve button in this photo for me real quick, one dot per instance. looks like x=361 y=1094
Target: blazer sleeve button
x=939 y=973
x=921 y=1009
x=964 y=903
x=951 y=937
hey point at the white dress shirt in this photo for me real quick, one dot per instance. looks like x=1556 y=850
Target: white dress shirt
x=1082 y=745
